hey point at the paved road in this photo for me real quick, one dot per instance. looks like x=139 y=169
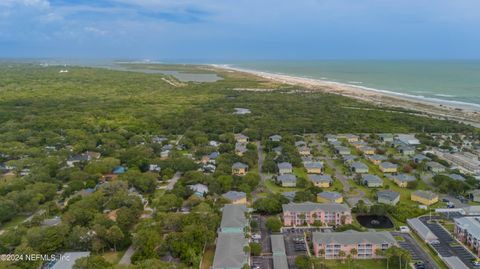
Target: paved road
x=127 y=256
x=415 y=250
x=352 y=198
x=173 y=181
x=447 y=245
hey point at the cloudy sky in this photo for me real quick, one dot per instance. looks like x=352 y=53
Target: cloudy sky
x=223 y=30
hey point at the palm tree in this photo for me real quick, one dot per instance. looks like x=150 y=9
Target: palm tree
x=354 y=252
x=406 y=256
x=321 y=252
x=342 y=254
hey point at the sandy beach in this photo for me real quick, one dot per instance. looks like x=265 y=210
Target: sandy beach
x=445 y=110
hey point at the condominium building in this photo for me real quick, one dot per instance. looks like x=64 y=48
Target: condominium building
x=298 y=214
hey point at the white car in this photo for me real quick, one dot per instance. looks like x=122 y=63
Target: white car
x=404 y=229
x=256 y=236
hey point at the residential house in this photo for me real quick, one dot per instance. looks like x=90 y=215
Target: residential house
x=287 y=180
x=388 y=197
x=359 y=168
x=359 y=144
x=456 y=177
x=240 y=148
x=278 y=150
x=365 y=244
x=236 y=197
x=285 y=168
x=408 y=139
x=435 y=167
x=297 y=214
x=241 y=138
x=402 y=180
x=367 y=150
x=349 y=159
x=376 y=159
x=406 y=150
x=331 y=138
x=322 y=181
x=314 y=167
x=388 y=167
x=341 y=150
x=420 y=158
x=304 y=150
x=239 y=169
x=372 y=181
x=329 y=197
x=275 y=138
x=300 y=144
x=165 y=154
x=351 y=138
x=386 y=137
x=199 y=189
x=424 y=197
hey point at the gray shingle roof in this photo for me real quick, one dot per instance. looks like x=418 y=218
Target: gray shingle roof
x=404 y=177
x=388 y=195
x=72 y=257
x=285 y=165
x=287 y=178
x=359 y=166
x=372 y=179
x=425 y=194
x=313 y=165
x=239 y=165
x=229 y=252
x=320 y=178
x=234 y=195
x=234 y=216
x=330 y=195
x=309 y=206
x=388 y=165
x=353 y=237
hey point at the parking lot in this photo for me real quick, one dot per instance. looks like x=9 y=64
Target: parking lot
x=418 y=254
x=263 y=262
x=447 y=246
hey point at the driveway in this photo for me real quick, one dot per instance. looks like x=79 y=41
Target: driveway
x=415 y=250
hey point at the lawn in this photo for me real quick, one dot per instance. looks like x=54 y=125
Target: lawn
x=208 y=255
x=13 y=222
x=271 y=186
x=367 y=264
x=113 y=257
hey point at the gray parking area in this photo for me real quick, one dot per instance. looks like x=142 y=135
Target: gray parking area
x=447 y=246
x=418 y=254
x=262 y=262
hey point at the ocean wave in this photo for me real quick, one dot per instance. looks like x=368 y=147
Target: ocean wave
x=355 y=82
x=445 y=95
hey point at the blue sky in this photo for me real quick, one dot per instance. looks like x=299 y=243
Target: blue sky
x=222 y=30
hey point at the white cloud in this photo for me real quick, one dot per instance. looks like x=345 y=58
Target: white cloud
x=95 y=30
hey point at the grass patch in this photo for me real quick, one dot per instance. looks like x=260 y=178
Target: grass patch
x=208 y=257
x=370 y=264
x=112 y=256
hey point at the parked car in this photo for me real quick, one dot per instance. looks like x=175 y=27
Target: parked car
x=419 y=265
x=445 y=200
x=404 y=229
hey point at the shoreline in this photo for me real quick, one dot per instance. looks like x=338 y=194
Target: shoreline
x=464 y=112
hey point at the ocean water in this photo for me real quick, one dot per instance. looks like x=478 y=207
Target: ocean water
x=448 y=82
